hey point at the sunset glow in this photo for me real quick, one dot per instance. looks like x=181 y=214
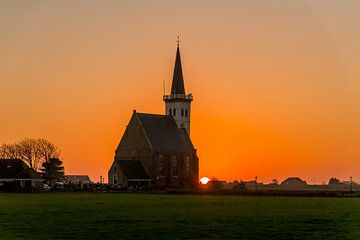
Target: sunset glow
x=276 y=86
x=204 y=180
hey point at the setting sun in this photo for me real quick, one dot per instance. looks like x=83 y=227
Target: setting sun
x=204 y=180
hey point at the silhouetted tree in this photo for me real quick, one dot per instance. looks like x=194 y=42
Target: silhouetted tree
x=52 y=170
x=275 y=181
x=47 y=150
x=10 y=151
x=32 y=151
x=334 y=181
x=29 y=152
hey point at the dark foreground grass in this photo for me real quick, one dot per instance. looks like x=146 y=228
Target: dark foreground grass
x=147 y=216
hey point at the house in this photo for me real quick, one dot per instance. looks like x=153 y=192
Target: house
x=16 y=176
x=129 y=173
x=78 y=181
x=293 y=182
x=161 y=142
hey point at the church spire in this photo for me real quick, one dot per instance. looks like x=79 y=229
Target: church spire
x=177 y=86
x=177 y=103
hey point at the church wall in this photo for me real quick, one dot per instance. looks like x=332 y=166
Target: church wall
x=133 y=144
x=120 y=178
x=182 y=178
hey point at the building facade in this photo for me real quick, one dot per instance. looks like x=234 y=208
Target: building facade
x=161 y=142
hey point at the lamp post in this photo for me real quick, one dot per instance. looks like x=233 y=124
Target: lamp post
x=256 y=183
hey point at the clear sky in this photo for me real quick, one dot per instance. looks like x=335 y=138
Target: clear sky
x=276 y=83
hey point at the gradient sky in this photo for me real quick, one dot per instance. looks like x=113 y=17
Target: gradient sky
x=276 y=83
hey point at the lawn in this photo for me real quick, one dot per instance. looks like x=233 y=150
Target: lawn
x=150 y=216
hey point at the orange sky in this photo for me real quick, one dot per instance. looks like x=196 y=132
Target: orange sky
x=276 y=84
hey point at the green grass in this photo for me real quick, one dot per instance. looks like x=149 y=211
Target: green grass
x=147 y=216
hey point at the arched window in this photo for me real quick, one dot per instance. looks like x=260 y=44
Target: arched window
x=182 y=112
x=170 y=111
x=174 y=111
x=174 y=166
x=186 y=113
x=161 y=166
x=187 y=165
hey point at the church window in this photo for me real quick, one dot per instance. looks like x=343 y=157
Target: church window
x=161 y=166
x=174 y=111
x=187 y=165
x=186 y=113
x=174 y=166
x=115 y=179
x=182 y=112
x=170 y=111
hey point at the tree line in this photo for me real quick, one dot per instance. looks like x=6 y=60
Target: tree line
x=38 y=154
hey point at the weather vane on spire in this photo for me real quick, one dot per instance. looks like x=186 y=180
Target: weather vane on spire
x=178 y=41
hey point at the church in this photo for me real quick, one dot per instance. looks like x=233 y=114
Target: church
x=156 y=150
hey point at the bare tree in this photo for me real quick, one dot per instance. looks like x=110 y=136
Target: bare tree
x=10 y=151
x=47 y=150
x=34 y=152
x=29 y=152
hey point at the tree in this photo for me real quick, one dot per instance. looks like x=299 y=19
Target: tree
x=29 y=152
x=52 y=170
x=47 y=150
x=275 y=181
x=334 y=181
x=32 y=151
x=10 y=151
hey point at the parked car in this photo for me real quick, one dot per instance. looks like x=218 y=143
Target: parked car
x=46 y=187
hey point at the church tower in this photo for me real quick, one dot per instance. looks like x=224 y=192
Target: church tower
x=178 y=104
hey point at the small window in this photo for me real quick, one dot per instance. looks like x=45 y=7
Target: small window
x=182 y=112
x=115 y=179
x=22 y=183
x=174 y=111
x=170 y=111
x=186 y=113
x=161 y=166
x=187 y=165
x=174 y=166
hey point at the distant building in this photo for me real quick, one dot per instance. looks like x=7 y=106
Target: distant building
x=294 y=181
x=161 y=142
x=77 y=181
x=16 y=176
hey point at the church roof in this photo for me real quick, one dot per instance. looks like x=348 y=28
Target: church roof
x=177 y=86
x=163 y=133
x=133 y=169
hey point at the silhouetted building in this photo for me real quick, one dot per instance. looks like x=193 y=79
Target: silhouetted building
x=15 y=176
x=293 y=181
x=161 y=142
x=129 y=173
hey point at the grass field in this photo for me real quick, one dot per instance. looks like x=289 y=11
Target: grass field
x=148 y=216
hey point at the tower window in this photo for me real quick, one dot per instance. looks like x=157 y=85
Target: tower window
x=186 y=113
x=174 y=111
x=182 y=112
x=170 y=111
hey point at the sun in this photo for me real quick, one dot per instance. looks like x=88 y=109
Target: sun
x=204 y=180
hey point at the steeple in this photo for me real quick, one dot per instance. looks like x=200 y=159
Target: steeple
x=177 y=86
x=178 y=104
